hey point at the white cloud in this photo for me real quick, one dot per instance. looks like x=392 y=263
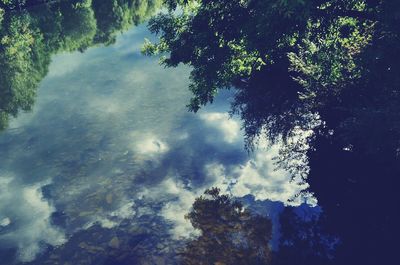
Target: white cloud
x=179 y=199
x=217 y=177
x=126 y=211
x=174 y=211
x=5 y=222
x=258 y=176
x=66 y=63
x=114 y=218
x=229 y=128
x=26 y=206
x=149 y=145
x=105 y=105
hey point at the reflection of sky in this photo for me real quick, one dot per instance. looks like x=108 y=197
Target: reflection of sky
x=109 y=139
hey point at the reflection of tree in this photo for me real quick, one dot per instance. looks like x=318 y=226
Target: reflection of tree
x=328 y=66
x=230 y=234
x=24 y=61
x=124 y=13
x=29 y=38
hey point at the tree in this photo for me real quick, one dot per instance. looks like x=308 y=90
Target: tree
x=124 y=14
x=230 y=234
x=294 y=64
x=24 y=63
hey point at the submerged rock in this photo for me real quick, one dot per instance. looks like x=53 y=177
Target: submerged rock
x=114 y=242
x=109 y=198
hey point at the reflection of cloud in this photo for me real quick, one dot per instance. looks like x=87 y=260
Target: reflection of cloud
x=179 y=201
x=150 y=145
x=175 y=210
x=114 y=218
x=258 y=175
x=255 y=175
x=126 y=211
x=65 y=64
x=27 y=221
x=5 y=222
x=258 y=178
x=131 y=40
x=228 y=127
x=105 y=105
x=216 y=175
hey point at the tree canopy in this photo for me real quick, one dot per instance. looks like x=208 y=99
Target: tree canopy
x=330 y=66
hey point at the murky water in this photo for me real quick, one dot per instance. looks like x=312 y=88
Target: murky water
x=109 y=161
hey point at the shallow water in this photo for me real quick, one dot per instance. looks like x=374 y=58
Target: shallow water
x=108 y=162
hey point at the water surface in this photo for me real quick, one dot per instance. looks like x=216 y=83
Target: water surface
x=108 y=162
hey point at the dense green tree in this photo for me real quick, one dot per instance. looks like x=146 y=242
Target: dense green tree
x=294 y=64
x=23 y=61
x=124 y=13
x=31 y=35
x=230 y=234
